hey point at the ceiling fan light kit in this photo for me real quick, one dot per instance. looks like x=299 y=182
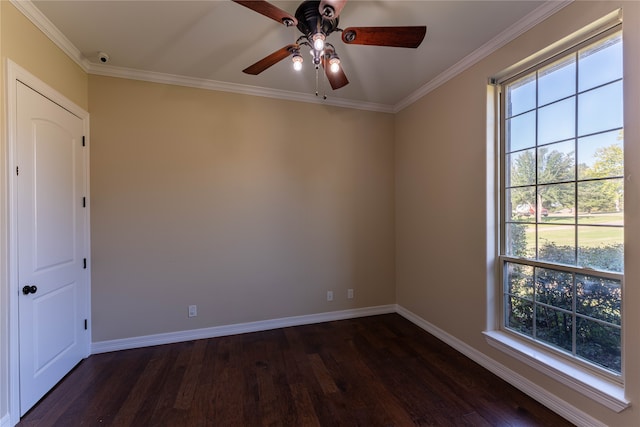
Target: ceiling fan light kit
x=297 y=60
x=318 y=41
x=334 y=63
x=317 y=20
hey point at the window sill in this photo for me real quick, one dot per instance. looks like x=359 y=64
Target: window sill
x=599 y=389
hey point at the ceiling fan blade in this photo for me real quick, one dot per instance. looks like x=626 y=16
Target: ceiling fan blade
x=270 y=11
x=385 y=36
x=270 y=60
x=337 y=79
x=331 y=8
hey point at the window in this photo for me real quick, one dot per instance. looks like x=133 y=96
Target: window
x=562 y=204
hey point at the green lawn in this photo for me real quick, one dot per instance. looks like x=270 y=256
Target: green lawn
x=587 y=236
x=605 y=218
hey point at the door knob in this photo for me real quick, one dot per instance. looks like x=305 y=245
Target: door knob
x=29 y=289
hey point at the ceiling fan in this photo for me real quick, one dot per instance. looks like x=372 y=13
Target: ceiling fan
x=316 y=20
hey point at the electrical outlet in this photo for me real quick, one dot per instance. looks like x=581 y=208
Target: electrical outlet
x=193 y=310
x=329 y=295
x=349 y=293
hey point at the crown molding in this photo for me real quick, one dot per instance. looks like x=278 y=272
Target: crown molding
x=46 y=26
x=200 y=83
x=523 y=25
x=43 y=23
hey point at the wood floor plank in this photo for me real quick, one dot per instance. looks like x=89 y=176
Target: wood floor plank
x=371 y=371
x=191 y=377
x=322 y=374
x=305 y=411
x=127 y=412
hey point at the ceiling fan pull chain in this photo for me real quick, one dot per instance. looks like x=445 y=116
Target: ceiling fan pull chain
x=320 y=82
x=324 y=89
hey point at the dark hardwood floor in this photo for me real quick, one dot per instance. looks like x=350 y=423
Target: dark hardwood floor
x=372 y=371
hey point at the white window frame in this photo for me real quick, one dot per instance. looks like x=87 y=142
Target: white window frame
x=601 y=387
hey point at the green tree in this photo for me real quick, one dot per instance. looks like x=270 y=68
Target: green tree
x=552 y=166
x=605 y=194
x=610 y=161
x=598 y=196
x=523 y=168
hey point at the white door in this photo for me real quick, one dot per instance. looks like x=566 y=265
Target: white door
x=51 y=243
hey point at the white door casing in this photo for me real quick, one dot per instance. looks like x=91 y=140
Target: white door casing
x=49 y=243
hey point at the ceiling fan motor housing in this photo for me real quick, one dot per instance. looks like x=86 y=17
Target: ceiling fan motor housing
x=310 y=21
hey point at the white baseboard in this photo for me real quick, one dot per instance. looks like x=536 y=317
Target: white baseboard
x=536 y=392
x=531 y=389
x=5 y=421
x=239 y=328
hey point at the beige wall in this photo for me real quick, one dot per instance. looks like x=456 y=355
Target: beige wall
x=441 y=201
x=27 y=46
x=251 y=208
x=235 y=204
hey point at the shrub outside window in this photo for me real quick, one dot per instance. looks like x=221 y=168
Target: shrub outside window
x=562 y=203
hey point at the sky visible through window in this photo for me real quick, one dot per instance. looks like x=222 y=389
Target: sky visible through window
x=563 y=209
x=599 y=109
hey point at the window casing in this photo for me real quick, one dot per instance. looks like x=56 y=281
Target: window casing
x=562 y=204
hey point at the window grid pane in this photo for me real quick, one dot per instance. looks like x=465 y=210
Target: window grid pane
x=563 y=203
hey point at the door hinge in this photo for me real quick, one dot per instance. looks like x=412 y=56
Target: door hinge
x=17 y=170
x=84 y=263
x=85 y=324
x=83 y=141
x=84 y=202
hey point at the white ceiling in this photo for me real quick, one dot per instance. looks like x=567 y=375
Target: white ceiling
x=209 y=43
